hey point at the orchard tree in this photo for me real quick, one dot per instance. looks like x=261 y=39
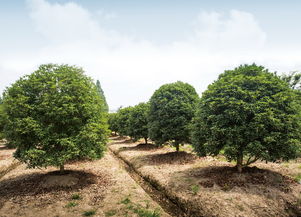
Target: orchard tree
x=55 y=115
x=250 y=114
x=172 y=107
x=138 y=122
x=123 y=115
x=2 y=120
x=102 y=95
x=113 y=122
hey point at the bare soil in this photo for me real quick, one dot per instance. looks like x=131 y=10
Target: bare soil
x=101 y=186
x=211 y=186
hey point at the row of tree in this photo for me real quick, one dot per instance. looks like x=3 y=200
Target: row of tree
x=248 y=113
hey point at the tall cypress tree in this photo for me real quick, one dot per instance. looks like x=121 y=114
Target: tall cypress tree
x=102 y=95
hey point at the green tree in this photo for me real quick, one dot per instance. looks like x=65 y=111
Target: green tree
x=123 y=115
x=138 y=121
x=172 y=107
x=102 y=95
x=250 y=114
x=113 y=122
x=2 y=120
x=55 y=115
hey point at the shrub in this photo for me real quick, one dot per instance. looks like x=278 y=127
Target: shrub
x=172 y=107
x=249 y=113
x=55 y=115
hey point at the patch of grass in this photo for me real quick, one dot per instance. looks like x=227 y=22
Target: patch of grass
x=126 y=201
x=71 y=204
x=140 y=210
x=298 y=177
x=143 y=212
x=111 y=212
x=89 y=213
x=76 y=197
x=195 y=189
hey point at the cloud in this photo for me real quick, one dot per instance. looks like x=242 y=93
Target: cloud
x=239 y=31
x=130 y=69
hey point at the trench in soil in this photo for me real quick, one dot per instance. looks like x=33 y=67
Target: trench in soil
x=169 y=205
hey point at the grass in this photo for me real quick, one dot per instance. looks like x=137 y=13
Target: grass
x=298 y=177
x=139 y=209
x=110 y=213
x=75 y=197
x=71 y=204
x=195 y=189
x=89 y=213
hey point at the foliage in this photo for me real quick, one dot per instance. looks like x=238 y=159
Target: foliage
x=138 y=121
x=293 y=79
x=123 y=116
x=55 y=115
x=248 y=112
x=172 y=107
x=113 y=122
x=89 y=213
x=2 y=120
x=102 y=95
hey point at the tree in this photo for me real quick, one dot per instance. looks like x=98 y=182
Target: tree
x=2 y=120
x=55 y=115
x=250 y=114
x=172 y=107
x=102 y=95
x=138 y=121
x=123 y=115
x=113 y=122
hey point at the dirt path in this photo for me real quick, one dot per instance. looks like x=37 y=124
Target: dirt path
x=167 y=204
x=98 y=188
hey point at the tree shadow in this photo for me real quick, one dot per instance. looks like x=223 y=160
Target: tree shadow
x=140 y=147
x=227 y=177
x=33 y=185
x=170 y=158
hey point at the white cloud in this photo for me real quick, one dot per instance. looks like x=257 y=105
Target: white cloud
x=129 y=69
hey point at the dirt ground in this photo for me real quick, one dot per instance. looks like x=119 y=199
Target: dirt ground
x=211 y=186
x=98 y=188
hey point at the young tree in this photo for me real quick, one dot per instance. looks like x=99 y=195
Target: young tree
x=172 y=107
x=102 y=95
x=250 y=114
x=138 y=121
x=55 y=115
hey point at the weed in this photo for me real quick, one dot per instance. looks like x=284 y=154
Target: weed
x=89 y=213
x=195 y=189
x=71 y=204
x=111 y=213
x=126 y=201
x=298 y=177
x=240 y=207
x=75 y=197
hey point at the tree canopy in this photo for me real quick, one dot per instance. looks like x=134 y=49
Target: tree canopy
x=55 y=115
x=250 y=114
x=172 y=107
x=102 y=95
x=138 y=124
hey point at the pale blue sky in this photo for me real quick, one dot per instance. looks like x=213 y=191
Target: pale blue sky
x=133 y=47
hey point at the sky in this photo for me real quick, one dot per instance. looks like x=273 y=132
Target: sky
x=133 y=47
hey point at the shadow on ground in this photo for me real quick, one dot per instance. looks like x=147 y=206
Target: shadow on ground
x=39 y=184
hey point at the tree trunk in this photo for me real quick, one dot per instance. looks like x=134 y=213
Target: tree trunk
x=145 y=140
x=177 y=146
x=239 y=161
x=62 y=169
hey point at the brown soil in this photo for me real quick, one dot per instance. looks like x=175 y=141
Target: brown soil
x=102 y=186
x=211 y=186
